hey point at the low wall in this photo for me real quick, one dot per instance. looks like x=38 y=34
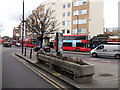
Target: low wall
x=82 y=73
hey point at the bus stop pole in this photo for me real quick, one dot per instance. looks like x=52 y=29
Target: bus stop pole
x=25 y=51
x=30 y=53
x=57 y=42
x=23 y=28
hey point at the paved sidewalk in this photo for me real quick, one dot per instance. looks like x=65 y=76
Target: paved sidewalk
x=106 y=74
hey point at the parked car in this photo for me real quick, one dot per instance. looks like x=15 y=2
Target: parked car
x=6 y=44
x=46 y=48
x=18 y=44
x=13 y=42
x=106 y=50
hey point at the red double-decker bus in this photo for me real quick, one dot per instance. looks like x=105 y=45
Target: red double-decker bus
x=75 y=43
x=29 y=42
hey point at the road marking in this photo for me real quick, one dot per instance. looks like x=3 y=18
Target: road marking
x=56 y=74
x=50 y=78
x=45 y=77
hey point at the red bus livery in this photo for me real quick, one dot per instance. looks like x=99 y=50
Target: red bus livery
x=29 y=42
x=75 y=43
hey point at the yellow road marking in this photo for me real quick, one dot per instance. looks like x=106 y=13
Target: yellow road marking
x=56 y=74
x=48 y=79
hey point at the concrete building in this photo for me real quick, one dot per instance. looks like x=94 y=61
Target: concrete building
x=76 y=17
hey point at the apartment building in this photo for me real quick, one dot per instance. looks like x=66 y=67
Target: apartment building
x=76 y=17
x=87 y=17
x=62 y=11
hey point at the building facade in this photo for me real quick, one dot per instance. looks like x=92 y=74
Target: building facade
x=17 y=33
x=87 y=17
x=112 y=31
x=76 y=17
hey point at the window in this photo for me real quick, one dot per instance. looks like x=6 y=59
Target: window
x=80 y=3
x=80 y=12
x=40 y=12
x=74 y=38
x=83 y=30
x=84 y=2
x=68 y=5
x=100 y=47
x=74 y=21
x=80 y=45
x=63 y=14
x=64 y=6
x=67 y=44
x=68 y=31
x=74 y=30
x=68 y=22
x=82 y=21
x=63 y=23
x=76 y=3
x=75 y=12
x=84 y=11
x=68 y=13
x=80 y=38
x=63 y=31
x=79 y=30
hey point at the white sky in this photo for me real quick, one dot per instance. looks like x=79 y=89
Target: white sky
x=11 y=11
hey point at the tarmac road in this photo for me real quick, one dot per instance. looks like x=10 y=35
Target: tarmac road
x=17 y=75
x=102 y=71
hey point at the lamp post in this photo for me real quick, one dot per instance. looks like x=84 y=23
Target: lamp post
x=77 y=23
x=23 y=28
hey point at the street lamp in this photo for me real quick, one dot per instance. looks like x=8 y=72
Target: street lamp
x=77 y=23
x=23 y=27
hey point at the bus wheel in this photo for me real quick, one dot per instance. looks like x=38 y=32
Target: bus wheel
x=77 y=50
x=94 y=55
x=117 y=56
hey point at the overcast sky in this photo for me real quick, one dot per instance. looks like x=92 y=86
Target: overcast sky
x=11 y=11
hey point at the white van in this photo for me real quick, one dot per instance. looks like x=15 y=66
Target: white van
x=106 y=50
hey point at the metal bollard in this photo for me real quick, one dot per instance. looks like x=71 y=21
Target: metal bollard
x=30 y=53
x=25 y=52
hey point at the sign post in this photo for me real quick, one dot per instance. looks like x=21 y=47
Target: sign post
x=59 y=42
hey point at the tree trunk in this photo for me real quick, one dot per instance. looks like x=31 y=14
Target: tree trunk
x=41 y=40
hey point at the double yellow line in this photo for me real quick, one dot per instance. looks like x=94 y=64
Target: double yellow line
x=45 y=77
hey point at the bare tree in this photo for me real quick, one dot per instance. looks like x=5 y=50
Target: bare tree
x=42 y=24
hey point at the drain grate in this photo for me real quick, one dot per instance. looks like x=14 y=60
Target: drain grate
x=106 y=74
